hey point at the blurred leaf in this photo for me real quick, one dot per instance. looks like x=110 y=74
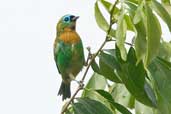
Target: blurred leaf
x=107 y=5
x=96 y=82
x=166 y=1
x=131 y=8
x=101 y=21
x=69 y=111
x=89 y=106
x=168 y=8
x=165 y=51
x=130 y=25
x=132 y=1
x=140 y=41
x=119 y=107
x=138 y=14
x=153 y=36
x=161 y=11
x=133 y=76
x=121 y=35
x=122 y=95
x=161 y=73
x=107 y=66
x=143 y=109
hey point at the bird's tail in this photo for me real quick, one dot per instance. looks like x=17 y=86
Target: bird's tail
x=64 y=90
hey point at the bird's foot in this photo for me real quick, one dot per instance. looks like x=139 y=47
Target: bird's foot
x=80 y=83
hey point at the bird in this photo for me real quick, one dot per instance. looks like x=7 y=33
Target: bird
x=68 y=53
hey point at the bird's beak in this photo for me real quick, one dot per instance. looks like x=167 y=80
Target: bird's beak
x=75 y=18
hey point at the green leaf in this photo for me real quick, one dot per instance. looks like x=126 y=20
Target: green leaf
x=132 y=1
x=121 y=35
x=122 y=95
x=143 y=109
x=89 y=106
x=133 y=76
x=130 y=25
x=107 y=5
x=153 y=36
x=101 y=21
x=106 y=95
x=138 y=14
x=162 y=12
x=140 y=41
x=119 y=107
x=131 y=7
x=165 y=51
x=107 y=66
x=96 y=82
x=95 y=67
x=166 y=1
x=161 y=73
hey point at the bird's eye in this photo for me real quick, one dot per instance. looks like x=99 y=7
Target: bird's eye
x=66 y=19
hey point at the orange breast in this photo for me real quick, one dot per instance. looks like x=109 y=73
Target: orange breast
x=69 y=37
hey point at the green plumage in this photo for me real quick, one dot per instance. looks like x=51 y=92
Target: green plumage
x=68 y=54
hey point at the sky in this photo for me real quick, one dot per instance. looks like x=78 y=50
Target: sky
x=29 y=80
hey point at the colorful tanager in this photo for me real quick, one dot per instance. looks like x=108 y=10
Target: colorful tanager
x=68 y=53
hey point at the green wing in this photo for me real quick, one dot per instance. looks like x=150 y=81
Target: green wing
x=65 y=54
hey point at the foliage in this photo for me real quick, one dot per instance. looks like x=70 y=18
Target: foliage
x=138 y=77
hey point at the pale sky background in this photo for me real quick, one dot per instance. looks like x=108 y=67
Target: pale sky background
x=29 y=80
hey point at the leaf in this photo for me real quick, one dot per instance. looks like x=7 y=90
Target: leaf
x=95 y=67
x=107 y=66
x=121 y=35
x=107 y=5
x=153 y=36
x=162 y=12
x=133 y=76
x=140 y=41
x=166 y=1
x=143 y=109
x=132 y=1
x=122 y=95
x=165 y=50
x=131 y=7
x=161 y=73
x=89 y=106
x=96 y=82
x=130 y=25
x=138 y=14
x=119 y=107
x=101 y=21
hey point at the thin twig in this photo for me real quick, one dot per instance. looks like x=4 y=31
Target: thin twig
x=91 y=60
x=130 y=44
x=89 y=56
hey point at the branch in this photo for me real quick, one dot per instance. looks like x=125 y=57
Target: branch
x=130 y=44
x=91 y=60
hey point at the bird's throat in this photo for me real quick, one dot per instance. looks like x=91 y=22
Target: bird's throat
x=69 y=36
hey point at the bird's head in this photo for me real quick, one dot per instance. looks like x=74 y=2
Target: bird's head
x=67 y=22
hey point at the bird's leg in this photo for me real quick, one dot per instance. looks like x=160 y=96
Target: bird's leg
x=72 y=77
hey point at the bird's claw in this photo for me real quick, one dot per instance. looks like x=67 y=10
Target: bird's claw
x=81 y=84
